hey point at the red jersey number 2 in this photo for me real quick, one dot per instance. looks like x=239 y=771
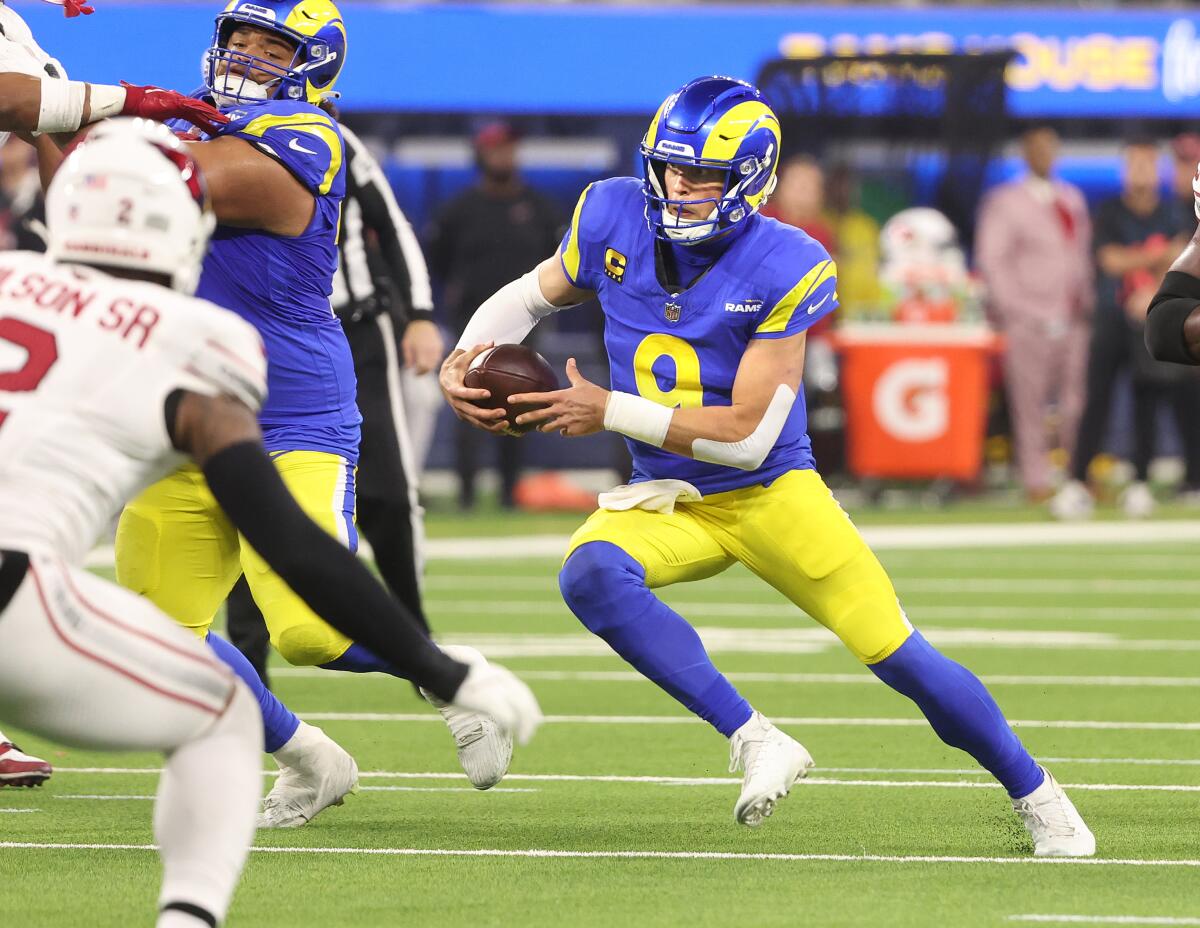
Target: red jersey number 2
x=41 y=351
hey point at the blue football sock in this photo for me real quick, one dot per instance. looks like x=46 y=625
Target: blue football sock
x=279 y=722
x=961 y=711
x=606 y=589
x=358 y=659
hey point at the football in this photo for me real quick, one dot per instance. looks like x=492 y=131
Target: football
x=508 y=369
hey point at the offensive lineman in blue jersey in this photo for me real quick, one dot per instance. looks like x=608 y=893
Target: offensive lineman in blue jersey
x=706 y=305
x=276 y=176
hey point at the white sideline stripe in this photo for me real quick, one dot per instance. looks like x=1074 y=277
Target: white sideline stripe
x=377 y=789
x=634 y=855
x=615 y=778
x=707 y=781
x=782 y=720
x=1106 y=919
x=865 y=678
x=989 y=585
x=18 y=811
x=812 y=638
x=879 y=537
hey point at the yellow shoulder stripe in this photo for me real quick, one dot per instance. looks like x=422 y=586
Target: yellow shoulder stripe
x=781 y=313
x=570 y=257
x=312 y=123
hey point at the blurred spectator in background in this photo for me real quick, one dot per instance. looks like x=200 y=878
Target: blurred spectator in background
x=799 y=200
x=856 y=236
x=1137 y=236
x=497 y=228
x=1033 y=247
x=22 y=210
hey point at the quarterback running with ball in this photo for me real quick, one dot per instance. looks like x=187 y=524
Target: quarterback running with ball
x=706 y=305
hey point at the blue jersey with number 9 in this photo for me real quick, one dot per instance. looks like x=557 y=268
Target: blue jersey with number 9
x=683 y=349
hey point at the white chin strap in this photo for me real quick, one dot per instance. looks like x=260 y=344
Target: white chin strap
x=228 y=87
x=685 y=230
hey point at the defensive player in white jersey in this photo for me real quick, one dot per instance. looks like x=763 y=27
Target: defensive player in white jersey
x=36 y=94
x=108 y=381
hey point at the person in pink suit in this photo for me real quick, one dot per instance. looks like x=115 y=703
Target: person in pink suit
x=1033 y=249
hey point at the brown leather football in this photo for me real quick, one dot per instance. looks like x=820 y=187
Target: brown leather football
x=508 y=369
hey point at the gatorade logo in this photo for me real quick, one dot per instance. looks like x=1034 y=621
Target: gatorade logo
x=911 y=402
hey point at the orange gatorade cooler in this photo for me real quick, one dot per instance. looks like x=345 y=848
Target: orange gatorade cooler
x=915 y=398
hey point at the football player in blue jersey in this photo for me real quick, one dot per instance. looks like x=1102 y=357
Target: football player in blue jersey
x=276 y=176
x=706 y=304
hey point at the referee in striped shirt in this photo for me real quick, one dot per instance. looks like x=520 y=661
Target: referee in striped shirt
x=382 y=294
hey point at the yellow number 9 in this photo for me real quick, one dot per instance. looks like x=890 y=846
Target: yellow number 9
x=688 y=391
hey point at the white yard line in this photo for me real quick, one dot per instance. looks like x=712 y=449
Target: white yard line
x=880 y=537
x=615 y=778
x=969 y=585
x=780 y=720
x=18 y=811
x=865 y=678
x=1105 y=919
x=701 y=781
x=545 y=853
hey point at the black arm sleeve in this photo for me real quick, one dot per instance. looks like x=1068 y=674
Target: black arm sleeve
x=1176 y=299
x=323 y=573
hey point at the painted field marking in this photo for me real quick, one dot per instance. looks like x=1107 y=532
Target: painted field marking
x=545 y=853
x=865 y=678
x=782 y=720
x=813 y=638
x=1105 y=919
x=18 y=811
x=378 y=789
x=692 y=781
x=969 y=585
x=879 y=537
x=619 y=778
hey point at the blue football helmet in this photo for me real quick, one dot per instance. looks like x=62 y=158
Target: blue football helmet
x=711 y=122
x=315 y=27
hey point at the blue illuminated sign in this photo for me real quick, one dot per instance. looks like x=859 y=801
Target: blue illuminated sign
x=591 y=59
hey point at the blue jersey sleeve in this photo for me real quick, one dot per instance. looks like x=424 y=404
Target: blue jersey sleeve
x=601 y=207
x=806 y=291
x=300 y=137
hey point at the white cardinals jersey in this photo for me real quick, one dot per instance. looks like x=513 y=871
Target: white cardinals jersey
x=87 y=362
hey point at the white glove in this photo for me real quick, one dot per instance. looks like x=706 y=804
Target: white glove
x=1196 y=189
x=494 y=691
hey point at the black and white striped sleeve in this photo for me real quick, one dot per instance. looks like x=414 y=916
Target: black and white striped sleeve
x=398 y=245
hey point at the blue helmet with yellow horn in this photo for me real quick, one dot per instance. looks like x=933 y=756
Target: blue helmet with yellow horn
x=711 y=122
x=313 y=27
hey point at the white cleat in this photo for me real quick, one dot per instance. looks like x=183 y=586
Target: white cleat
x=484 y=748
x=314 y=774
x=1057 y=828
x=1137 y=502
x=1072 y=503
x=773 y=762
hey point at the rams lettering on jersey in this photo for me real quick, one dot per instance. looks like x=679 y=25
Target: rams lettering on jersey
x=683 y=349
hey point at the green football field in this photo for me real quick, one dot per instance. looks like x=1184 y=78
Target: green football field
x=620 y=811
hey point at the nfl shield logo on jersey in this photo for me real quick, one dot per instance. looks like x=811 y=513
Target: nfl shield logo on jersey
x=672 y=311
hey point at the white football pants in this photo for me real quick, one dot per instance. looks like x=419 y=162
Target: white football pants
x=88 y=663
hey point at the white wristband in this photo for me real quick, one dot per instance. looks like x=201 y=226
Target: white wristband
x=641 y=419
x=106 y=101
x=61 y=106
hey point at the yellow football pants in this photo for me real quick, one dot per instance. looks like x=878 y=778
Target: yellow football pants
x=176 y=547
x=792 y=534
